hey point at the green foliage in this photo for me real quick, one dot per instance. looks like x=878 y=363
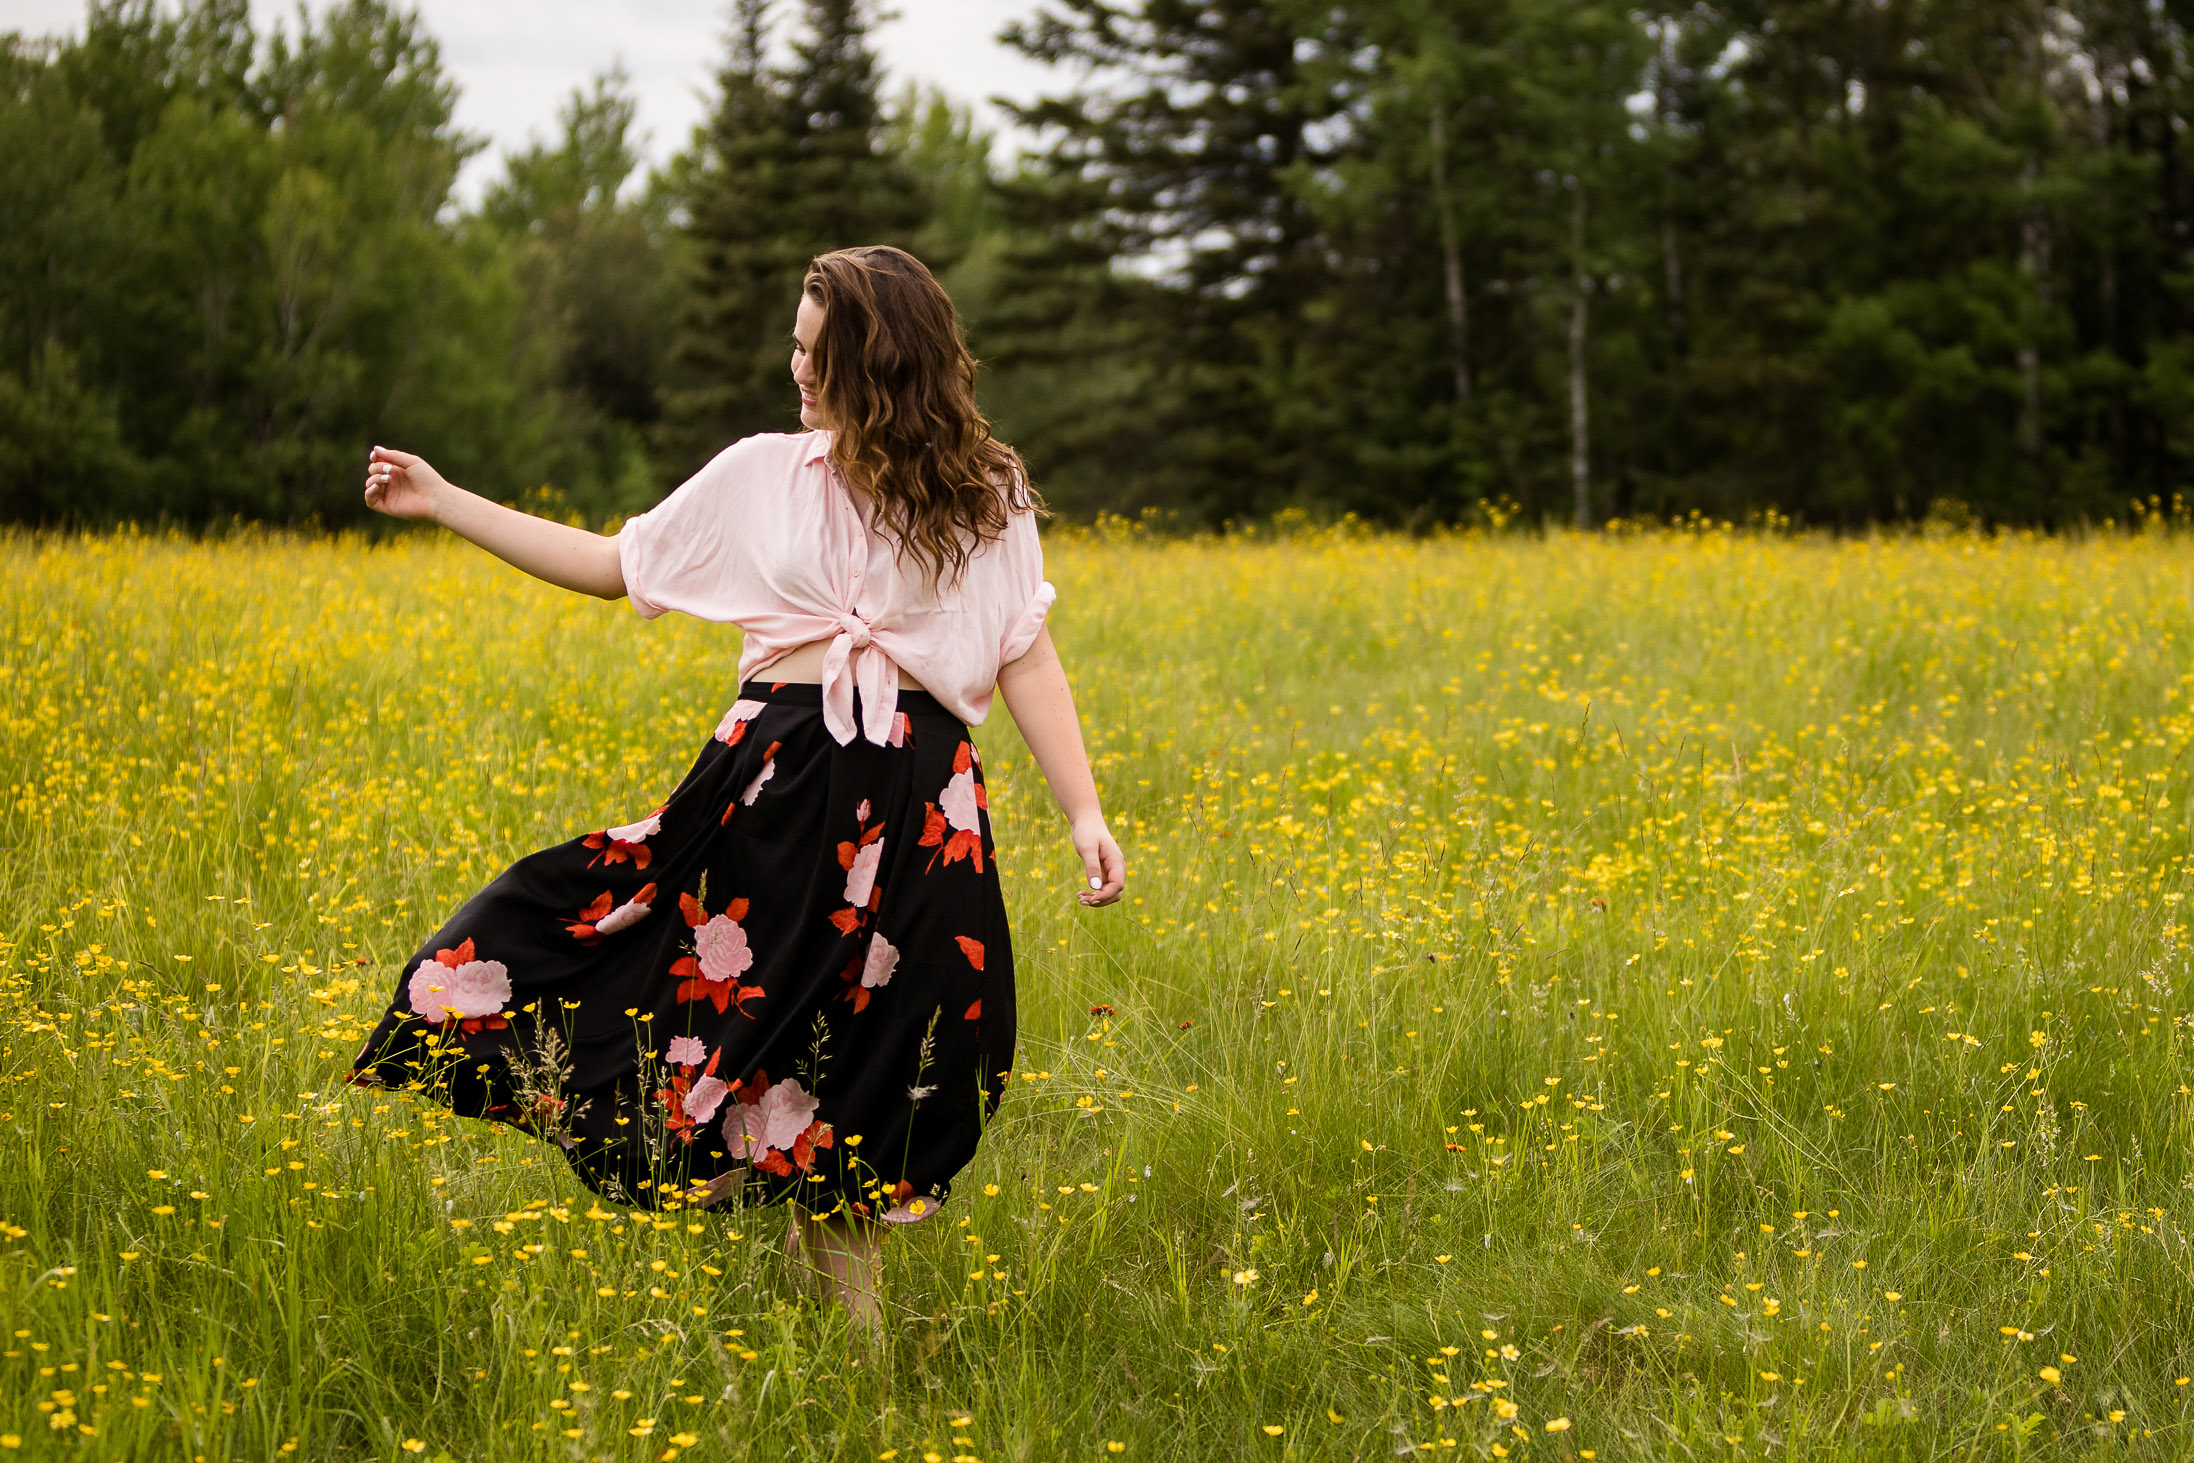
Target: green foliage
x=1825 y=260
x=1386 y=257
x=790 y=164
x=593 y=267
x=230 y=265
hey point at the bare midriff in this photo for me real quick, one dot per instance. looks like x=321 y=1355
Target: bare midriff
x=803 y=664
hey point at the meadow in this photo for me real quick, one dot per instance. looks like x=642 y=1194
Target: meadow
x=1680 y=994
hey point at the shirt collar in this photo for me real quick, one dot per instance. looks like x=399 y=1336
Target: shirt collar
x=818 y=447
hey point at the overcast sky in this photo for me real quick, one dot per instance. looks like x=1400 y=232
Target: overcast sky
x=516 y=62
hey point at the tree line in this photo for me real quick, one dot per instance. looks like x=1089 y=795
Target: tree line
x=1845 y=261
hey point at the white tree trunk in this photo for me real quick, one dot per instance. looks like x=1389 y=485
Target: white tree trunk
x=1580 y=421
x=2034 y=264
x=1451 y=257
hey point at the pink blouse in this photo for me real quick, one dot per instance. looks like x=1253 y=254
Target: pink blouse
x=768 y=538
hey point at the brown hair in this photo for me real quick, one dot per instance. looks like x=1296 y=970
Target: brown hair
x=898 y=385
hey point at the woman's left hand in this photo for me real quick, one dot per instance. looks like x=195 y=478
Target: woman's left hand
x=1102 y=865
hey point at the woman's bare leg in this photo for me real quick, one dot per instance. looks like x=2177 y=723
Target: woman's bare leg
x=849 y=1252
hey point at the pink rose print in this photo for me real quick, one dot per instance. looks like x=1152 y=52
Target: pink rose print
x=882 y=961
x=860 y=861
x=864 y=974
x=754 y=789
x=733 y=727
x=627 y=843
x=952 y=827
x=721 y=952
x=707 y=1096
x=722 y=946
x=628 y=914
x=958 y=803
x=456 y=989
x=775 y=1127
x=641 y=831
x=678 y=1099
x=861 y=878
x=686 y=1051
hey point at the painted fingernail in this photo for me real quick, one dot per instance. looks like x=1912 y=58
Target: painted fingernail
x=1096 y=883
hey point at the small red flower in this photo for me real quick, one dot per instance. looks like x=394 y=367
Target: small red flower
x=951 y=824
x=854 y=991
x=583 y=930
x=972 y=949
x=616 y=851
x=674 y=1097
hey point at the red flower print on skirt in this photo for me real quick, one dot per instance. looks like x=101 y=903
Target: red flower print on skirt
x=720 y=956
x=861 y=859
x=692 y=1098
x=732 y=730
x=798 y=1040
x=953 y=826
x=774 y=1127
x=455 y=990
x=754 y=788
x=870 y=972
x=605 y=916
x=618 y=845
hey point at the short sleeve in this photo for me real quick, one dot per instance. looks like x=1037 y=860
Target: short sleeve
x=674 y=555
x=1032 y=594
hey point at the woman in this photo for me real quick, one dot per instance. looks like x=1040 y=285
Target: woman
x=791 y=981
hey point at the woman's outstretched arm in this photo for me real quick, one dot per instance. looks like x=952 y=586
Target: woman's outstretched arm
x=404 y=485
x=1036 y=692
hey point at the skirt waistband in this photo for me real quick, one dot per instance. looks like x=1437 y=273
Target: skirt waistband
x=810 y=694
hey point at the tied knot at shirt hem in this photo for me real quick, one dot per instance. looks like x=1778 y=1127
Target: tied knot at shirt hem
x=854 y=662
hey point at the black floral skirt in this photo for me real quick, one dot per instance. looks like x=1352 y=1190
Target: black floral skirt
x=794 y=976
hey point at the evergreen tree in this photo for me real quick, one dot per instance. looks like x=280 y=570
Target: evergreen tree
x=789 y=165
x=1186 y=157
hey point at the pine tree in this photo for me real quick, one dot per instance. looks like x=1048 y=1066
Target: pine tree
x=1187 y=159
x=789 y=165
x=737 y=188
x=851 y=190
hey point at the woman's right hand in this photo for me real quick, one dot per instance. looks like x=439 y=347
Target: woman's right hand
x=403 y=484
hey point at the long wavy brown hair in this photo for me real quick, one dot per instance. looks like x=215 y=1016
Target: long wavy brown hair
x=897 y=383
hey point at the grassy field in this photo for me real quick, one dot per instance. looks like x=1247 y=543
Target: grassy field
x=1670 y=996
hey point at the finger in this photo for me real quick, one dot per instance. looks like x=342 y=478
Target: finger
x=396 y=458
x=1113 y=877
x=1115 y=873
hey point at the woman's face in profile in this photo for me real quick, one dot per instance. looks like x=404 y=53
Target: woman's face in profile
x=807 y=324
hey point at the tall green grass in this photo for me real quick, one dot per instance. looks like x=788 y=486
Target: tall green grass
x=1683 y=996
